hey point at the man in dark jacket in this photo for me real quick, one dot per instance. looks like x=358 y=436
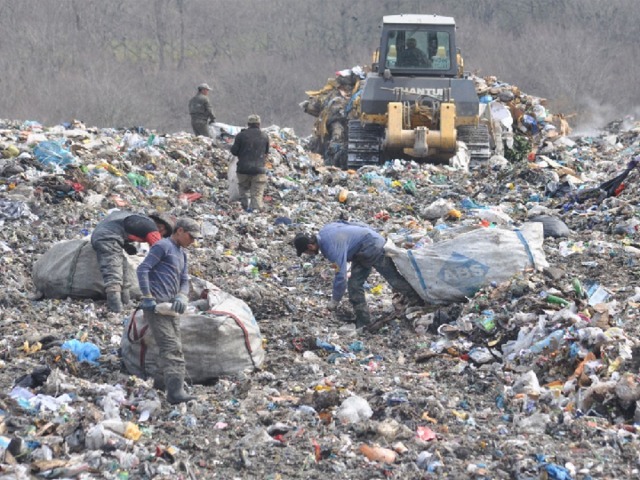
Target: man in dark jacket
x=114 y=234
x=251 y=146
x=200 y=111
x=343 y=242
x=412 y=56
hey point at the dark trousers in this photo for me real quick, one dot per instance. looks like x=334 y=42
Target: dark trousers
x=200 y=128
x=359 y=274
x=111 y=261
x=166 y=331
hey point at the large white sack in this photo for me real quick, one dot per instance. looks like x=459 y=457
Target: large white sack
x=70 y=269
x=455 y=269
x=232 y=177
x=223 y=340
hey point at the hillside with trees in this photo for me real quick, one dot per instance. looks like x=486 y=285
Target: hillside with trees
x=124 y=64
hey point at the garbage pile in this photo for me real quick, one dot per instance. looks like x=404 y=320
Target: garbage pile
x=535 y=376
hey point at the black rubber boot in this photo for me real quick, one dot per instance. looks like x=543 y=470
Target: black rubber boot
x=125 y=296
x=158 y=383
x=175 y=389
x=114 y=302
x=363 y=317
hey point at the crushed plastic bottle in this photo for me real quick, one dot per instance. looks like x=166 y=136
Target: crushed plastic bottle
x=487 y=320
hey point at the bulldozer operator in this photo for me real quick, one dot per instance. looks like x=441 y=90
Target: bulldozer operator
x=412 y=56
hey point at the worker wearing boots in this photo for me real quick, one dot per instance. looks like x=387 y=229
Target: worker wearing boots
x=113 y=235
x=343 y=242
x=163 y=278
x=251 y=146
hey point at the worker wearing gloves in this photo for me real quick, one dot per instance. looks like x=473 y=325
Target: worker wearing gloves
x=163 y=278
x=343 y=242
x=115 y=233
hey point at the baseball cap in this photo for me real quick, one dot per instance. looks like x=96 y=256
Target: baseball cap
x=190 y=226
x=253 y=118
x=202 y=86
x=301 y=242
x=164 y=218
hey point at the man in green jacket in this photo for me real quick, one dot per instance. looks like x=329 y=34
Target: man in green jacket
x=200 y=111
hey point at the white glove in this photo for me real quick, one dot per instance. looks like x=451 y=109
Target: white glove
x=332 y=305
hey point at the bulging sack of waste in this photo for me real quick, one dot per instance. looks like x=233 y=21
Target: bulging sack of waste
x=455 y=269
x=222 y=340
x=70 y=269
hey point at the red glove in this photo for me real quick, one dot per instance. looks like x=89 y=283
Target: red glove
x=153 y=237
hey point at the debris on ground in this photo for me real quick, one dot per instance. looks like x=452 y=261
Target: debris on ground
x=532 y=376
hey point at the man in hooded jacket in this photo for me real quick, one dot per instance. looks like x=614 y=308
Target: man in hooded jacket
x=115 y=233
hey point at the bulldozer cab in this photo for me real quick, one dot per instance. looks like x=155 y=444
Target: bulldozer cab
x=418 y=45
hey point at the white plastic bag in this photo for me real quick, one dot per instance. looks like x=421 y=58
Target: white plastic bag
x=234 y=191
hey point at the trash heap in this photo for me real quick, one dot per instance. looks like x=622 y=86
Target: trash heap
x=532 y=377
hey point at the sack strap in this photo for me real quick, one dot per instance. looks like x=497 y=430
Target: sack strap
x=72 y=270
x=414 y=264
x=138 y=337
x=240 y=324
x=525 y=244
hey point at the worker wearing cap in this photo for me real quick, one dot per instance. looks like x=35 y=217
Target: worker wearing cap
x=343 y=242
x=163 y=278
x=251 y=146
x=115 y=233
x=200 y=111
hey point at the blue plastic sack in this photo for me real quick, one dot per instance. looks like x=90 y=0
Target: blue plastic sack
x=84 y=351
x=556 y=472
x=52 y=153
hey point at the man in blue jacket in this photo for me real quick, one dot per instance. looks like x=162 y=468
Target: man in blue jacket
x=343 y=242
x=163 y=278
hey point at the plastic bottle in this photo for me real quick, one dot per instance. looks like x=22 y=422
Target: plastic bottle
x=551 y=342
x=127 y=460
x=487 y=320
x=554 y=300
x=126 y=429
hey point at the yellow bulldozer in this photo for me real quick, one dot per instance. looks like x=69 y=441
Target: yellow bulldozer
x=415 y=103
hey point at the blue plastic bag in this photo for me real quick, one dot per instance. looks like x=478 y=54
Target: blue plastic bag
x=84 y=351
x=51 y=153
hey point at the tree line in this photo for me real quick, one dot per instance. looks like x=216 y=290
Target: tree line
x=123 y=64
